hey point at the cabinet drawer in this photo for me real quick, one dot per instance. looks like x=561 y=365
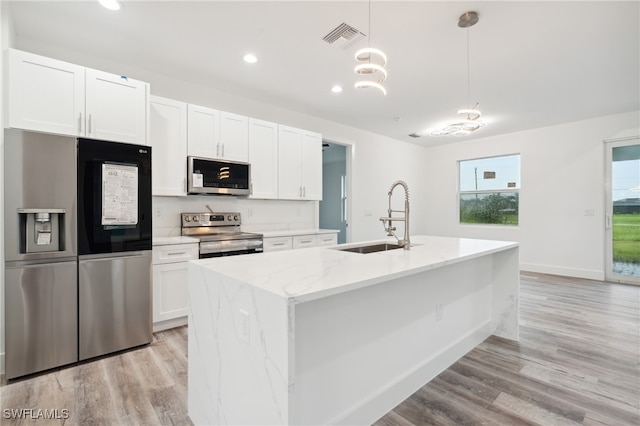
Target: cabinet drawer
x=327 y=239
x=277 y=244
x=303 y=241
x=175 y=253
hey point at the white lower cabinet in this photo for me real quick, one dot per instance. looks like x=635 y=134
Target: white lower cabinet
x=270 y=244
x=304 y=241
x=170 y=286
x=327 y=239
x=299 y=241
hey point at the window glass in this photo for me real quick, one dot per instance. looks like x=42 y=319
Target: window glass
x=493 y=173
x=489 y=190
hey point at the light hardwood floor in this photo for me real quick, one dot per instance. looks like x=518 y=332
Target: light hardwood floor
x=577 y=362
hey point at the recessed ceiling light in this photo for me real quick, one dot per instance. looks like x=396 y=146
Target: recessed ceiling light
x=250 y=58
x=336 y=89
x=110 y=4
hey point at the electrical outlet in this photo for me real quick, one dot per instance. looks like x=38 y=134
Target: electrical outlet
x=158 y=213
x=245 y=321
x=439 y=312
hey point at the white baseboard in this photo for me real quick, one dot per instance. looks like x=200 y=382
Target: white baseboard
x=172 y=323
x=378 y=403
x=589 y=274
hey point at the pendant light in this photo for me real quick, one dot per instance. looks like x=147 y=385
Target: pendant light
x=469 y=121
x=371 y=65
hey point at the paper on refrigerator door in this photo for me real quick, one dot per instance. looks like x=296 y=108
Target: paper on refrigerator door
x=119 y=194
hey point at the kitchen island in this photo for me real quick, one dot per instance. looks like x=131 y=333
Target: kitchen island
x=324 y=336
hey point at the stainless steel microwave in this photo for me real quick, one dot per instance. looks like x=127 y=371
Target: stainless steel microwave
x=213 y=176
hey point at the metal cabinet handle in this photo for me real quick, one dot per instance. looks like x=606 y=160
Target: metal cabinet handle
x=217 y=150
x=305 y=242
x=277 y=244
x=80 y=123
x=251 y=188
x=222 y=150
x=177 y=253
x=304 y=191
x=89 y=125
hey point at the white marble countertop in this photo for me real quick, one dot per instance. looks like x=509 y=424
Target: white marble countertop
x=313 y=273
x=293 y=232
x=164 y=241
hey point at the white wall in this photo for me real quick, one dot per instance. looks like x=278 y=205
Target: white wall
x=377 y=160
x=562 y=174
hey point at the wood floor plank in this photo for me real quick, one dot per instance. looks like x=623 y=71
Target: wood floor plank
x=577 y=362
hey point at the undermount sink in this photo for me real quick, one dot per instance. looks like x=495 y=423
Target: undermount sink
x=372 y=248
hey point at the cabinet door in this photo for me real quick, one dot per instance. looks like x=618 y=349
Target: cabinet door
x=45 y=95
x=170 y=291
x=289 y=166
x=234 y=137
x=311 y=158
x=276 y=244
x=327 y=239
x=263 y=156
x=116 y=107
x=203 y=134
x=168 y=138
x=304 y=241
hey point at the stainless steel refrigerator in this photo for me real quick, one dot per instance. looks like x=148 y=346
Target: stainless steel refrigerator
x=61 y=308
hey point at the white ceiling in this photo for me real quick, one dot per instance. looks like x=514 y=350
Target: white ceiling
x=532 y=64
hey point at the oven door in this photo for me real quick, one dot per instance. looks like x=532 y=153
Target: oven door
x=114 y=197
x=221 y=248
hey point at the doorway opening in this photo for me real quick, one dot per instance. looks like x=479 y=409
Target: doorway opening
x=622 y=225
x=334 y=207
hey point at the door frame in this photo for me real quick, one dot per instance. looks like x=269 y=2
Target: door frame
x=350 y=151
x=609 y=275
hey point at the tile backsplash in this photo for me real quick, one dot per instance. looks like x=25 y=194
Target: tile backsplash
x=257 y=215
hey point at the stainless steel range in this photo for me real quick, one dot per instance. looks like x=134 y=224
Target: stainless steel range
x=220 y=234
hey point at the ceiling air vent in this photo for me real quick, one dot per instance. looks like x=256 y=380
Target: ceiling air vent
x=343 y=36
x=416 y=135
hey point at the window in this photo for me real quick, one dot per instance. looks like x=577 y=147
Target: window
x=489 y=190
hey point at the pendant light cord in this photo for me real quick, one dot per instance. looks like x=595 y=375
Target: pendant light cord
x=468 y=74
x=369 y=27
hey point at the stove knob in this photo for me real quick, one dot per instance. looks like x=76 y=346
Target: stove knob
x=235 y=218
x=187 y=218
x=195 y=218
x=229 y=218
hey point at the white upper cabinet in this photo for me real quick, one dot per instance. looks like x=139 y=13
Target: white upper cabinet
x=203 y=133
x=311 y=153
x=47 y=95
x=234 y=137
x=116 y=107
x=299 y=164
x=217 y=134
x=263 y=156
x=168 y=137
x=289 y=164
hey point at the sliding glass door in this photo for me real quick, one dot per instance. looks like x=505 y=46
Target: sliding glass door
x=622 y=222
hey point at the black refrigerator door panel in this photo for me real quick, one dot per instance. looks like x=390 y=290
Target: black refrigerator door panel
x=114 y=197
x=114 y=296
x=41 y=317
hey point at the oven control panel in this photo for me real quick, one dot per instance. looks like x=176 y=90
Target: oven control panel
x=190 y=220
